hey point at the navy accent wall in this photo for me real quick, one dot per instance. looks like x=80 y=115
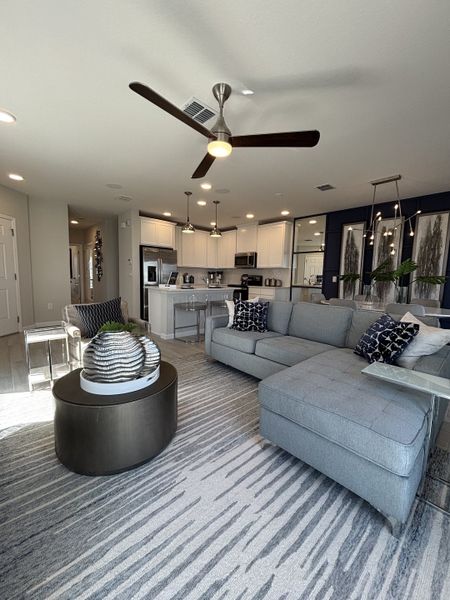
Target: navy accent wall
x=335 y=221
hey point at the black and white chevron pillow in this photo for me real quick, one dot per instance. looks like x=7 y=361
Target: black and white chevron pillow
x=385 y=340
x=250 y=316
x=93 y=316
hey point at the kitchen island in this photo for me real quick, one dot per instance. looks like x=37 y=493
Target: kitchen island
x=162 y=299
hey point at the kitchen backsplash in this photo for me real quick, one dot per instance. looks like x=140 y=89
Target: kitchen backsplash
x=234 y=275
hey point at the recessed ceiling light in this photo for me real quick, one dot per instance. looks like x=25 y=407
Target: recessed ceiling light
x=113 y=186
x=248 y=92
x=15 y=176
x=7 y=117
x=317 y=233
x=312 y=221
x=74 y=221
x=125 y=198
x=205 y=186
x=250 y=215
x=167 y=214
x=285 y=213
x=201 y=202
x=278 y=193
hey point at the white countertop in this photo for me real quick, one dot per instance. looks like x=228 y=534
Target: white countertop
x=178 y=288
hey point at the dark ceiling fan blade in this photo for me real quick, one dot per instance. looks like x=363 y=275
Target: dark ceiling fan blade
x=173 y=110
x=288 y=139
x=204 y=166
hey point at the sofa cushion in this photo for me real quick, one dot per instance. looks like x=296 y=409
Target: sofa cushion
x=328 y=394
x=289 y=350
x=278 y=316
x=320 y=323
x=386 y=339
x=361 y=321
x=244 y=341
x=250 y=316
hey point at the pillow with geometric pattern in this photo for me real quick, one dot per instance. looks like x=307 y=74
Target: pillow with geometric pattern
x=250 y=316
x=385 y=340
x=93 y=316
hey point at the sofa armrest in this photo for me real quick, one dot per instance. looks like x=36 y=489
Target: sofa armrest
x=73 y=331
x=212 y=323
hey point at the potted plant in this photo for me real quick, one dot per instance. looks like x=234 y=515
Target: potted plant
x=399 y=277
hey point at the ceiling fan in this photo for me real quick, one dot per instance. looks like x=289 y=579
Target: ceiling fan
x=221 y=142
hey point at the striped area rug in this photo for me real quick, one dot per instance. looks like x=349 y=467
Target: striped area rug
x=215 y=516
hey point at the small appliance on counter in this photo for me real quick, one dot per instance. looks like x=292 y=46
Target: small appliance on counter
x=272 y=282
x=214 y=279
x=188 y=281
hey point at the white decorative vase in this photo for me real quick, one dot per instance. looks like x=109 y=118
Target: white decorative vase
x=117 y=362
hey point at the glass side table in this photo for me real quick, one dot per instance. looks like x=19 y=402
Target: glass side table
x=46 y=333
x=436 y=387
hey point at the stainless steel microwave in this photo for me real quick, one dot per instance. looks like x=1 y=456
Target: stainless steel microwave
x=245 y=260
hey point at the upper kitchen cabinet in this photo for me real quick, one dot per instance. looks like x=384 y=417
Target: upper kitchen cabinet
x=193 y=249
x=226 y=249
x=157 y=233
x=247 y=237
x=274 y=245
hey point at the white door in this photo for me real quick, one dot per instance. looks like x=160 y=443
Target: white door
x=9 y=320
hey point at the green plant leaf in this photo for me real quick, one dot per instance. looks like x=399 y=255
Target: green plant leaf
x=115 y=326
x=405 y=268
x=432 y=279
x=350 y=277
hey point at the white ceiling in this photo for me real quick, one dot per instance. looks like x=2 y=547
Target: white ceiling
x=373 y=77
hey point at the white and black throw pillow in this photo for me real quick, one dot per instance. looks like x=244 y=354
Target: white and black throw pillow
x=93 y=316
x=385 y=340
x=250 y=316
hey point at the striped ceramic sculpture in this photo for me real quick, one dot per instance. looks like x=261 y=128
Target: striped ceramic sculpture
x=115 y=357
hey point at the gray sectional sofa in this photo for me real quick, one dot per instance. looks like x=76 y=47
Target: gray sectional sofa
x=366 y=434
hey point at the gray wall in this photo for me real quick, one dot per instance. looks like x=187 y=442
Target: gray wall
x=49 y=236
x=129 y=228
x=14 y=204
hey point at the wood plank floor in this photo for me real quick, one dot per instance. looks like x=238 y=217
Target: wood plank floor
x=14 y=374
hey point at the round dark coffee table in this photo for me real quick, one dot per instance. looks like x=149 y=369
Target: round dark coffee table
x=102 y=435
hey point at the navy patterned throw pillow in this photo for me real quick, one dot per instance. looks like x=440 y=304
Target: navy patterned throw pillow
x=385 y=340
x=250 y=316
x=93 y=316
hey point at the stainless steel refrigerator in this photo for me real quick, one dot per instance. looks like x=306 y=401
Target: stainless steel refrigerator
x=156 y=266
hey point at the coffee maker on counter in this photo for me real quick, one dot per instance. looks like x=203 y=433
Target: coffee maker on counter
x=188 y=281
x=215 y=278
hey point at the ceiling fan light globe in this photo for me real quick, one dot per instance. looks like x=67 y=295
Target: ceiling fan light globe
x=219 y=148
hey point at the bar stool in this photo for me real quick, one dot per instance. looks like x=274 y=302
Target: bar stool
x=188 y=307
x=220 y=304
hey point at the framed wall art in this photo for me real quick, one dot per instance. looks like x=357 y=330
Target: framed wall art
x=387 y=246
x=430 y=252
x=352 y=257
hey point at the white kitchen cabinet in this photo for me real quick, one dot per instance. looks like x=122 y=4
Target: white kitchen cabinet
x=226 y=249
x=274 y=245
x=194 y=249
x=212 y=251
x=247 y=237
x=157 y=233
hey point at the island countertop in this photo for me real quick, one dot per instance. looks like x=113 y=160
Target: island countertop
x=178 y=288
